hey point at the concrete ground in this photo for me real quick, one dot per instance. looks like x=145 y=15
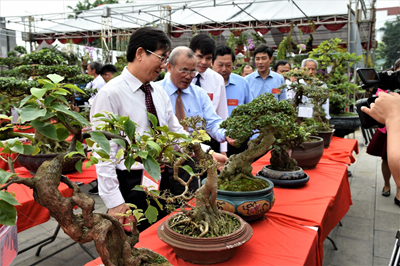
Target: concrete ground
x=366 y=238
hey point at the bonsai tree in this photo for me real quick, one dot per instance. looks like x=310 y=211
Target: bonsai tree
x=261 y=121
x=311 y=90
x=333 y=65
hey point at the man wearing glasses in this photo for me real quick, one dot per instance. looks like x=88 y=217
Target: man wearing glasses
x=187 y=98
x=132 y=94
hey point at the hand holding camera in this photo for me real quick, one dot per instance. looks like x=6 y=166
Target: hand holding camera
x=385 y=109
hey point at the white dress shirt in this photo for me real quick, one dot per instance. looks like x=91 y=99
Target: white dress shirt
x=123 y=96
x=214 y=84
x=97 y=83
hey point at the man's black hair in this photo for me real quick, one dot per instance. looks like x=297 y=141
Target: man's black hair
x=280 y=63
x=396 y=64
x=243 y=67
x=264 y=49
x=148 y=38
x=223 y=50
x=96 y=66
x=204 y=43
x=108 y=69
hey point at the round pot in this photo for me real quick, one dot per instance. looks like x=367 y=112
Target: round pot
x=240 y=47
x=290 y=183
x=326 y=136
x=308 y=154
x=250 y=205
x=206 y=250
x=32 y=162
x=345 y=125
x=269 y=173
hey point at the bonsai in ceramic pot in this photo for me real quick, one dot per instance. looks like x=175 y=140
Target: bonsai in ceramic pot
x=260 y=121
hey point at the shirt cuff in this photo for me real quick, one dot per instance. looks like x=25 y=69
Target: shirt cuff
x=223 y=147
x=111 y=199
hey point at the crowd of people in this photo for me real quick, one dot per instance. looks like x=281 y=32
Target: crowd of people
x=199 y=81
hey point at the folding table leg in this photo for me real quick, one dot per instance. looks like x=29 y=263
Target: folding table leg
x=333 y=242
x=42 y=241
x=50 y=240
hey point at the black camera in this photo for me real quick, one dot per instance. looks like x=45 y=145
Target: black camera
x=386 y=80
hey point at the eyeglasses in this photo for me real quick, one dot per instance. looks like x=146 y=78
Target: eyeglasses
x=186 y=72
x=163 y=59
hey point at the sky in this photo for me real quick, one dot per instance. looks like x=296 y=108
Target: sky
x=19 y=8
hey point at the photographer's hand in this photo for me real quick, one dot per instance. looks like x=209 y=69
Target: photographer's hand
x=385 y=109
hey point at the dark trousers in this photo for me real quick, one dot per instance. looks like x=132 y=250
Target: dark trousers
x=215 y=145
x=233 y=150
x=128 y=180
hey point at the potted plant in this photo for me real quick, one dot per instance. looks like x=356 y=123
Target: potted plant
x=113 y=245
x=333 y=65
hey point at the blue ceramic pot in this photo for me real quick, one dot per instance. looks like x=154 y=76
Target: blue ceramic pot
x=251 y=205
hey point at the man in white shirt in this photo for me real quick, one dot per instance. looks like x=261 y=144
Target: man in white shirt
x=126 y=95
x=213 y=83
x=94 y=69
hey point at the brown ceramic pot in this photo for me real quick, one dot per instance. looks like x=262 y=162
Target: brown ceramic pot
x=326 y=136
x=205 y=250
x=308 y=154
x=32 y=162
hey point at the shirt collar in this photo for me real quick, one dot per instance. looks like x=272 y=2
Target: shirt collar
x=269 y=74
x=133 y=82
x=231 y=80
x=170 y=87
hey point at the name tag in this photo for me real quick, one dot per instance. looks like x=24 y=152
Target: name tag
x=276 y=91
x=233 y=102
x=306 y=111
x=149 y=183
x=211 y=95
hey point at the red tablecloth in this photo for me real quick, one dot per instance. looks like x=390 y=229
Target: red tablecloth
x=30 y=213
x=282 y=239
x=24 y=129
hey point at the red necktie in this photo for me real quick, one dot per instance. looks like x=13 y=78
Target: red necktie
x=146 y=88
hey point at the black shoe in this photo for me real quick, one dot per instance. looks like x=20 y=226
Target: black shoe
x=396 y=201
x=385 y=193
x=94 y=191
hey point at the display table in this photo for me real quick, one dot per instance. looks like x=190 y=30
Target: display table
x=283 y=238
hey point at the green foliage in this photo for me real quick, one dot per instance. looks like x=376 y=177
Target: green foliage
x=86 y=5
x=391 y=37
x=330 y=54
x=20 y=49
x=45 y=56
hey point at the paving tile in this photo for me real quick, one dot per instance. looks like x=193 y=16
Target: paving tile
x=357 y=228
x=387 y=221
x=381 y=261
x=352 y=252
x=383 y=243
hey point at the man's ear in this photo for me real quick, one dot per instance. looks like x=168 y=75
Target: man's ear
x=140 y=53
x=169 y=67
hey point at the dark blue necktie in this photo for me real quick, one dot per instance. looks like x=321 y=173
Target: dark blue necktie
x=198 y=80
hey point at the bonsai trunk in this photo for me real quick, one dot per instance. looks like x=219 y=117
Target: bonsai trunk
x=113 y=245
x=239 y=165
x=281 y=160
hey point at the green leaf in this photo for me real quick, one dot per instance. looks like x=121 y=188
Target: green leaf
x=55 y=78
x=62 y=133
x=151 y=214
x=37 y=92
x=78 y=166
x=89 y=142
x=120 y=142
x=156 y=192
x=119 y=154
x=129 y=161
x=153 y=119
x=79 y=147
x=73 y=87
x=102 y=153
x=129 y=128
x=152 y=167
x=25 y=100
x=101 y=140
x=188 y=169
x=75 y=115
x=94 y=160
x=19 y=148
x=46 y=129
x=154 y=146
x=88 y=164
x=138 y=188
x=4 y=176
x=8 y=213
x=48 y=100
x=28 y=149
x=142 y=154
x=31 y=113
x=4 y=195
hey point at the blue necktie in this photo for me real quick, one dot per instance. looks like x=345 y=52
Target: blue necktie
x=198 y=80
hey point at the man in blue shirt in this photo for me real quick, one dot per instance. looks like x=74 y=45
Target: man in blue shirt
x=237 y=88
x=264 y=80
x=182 y=68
